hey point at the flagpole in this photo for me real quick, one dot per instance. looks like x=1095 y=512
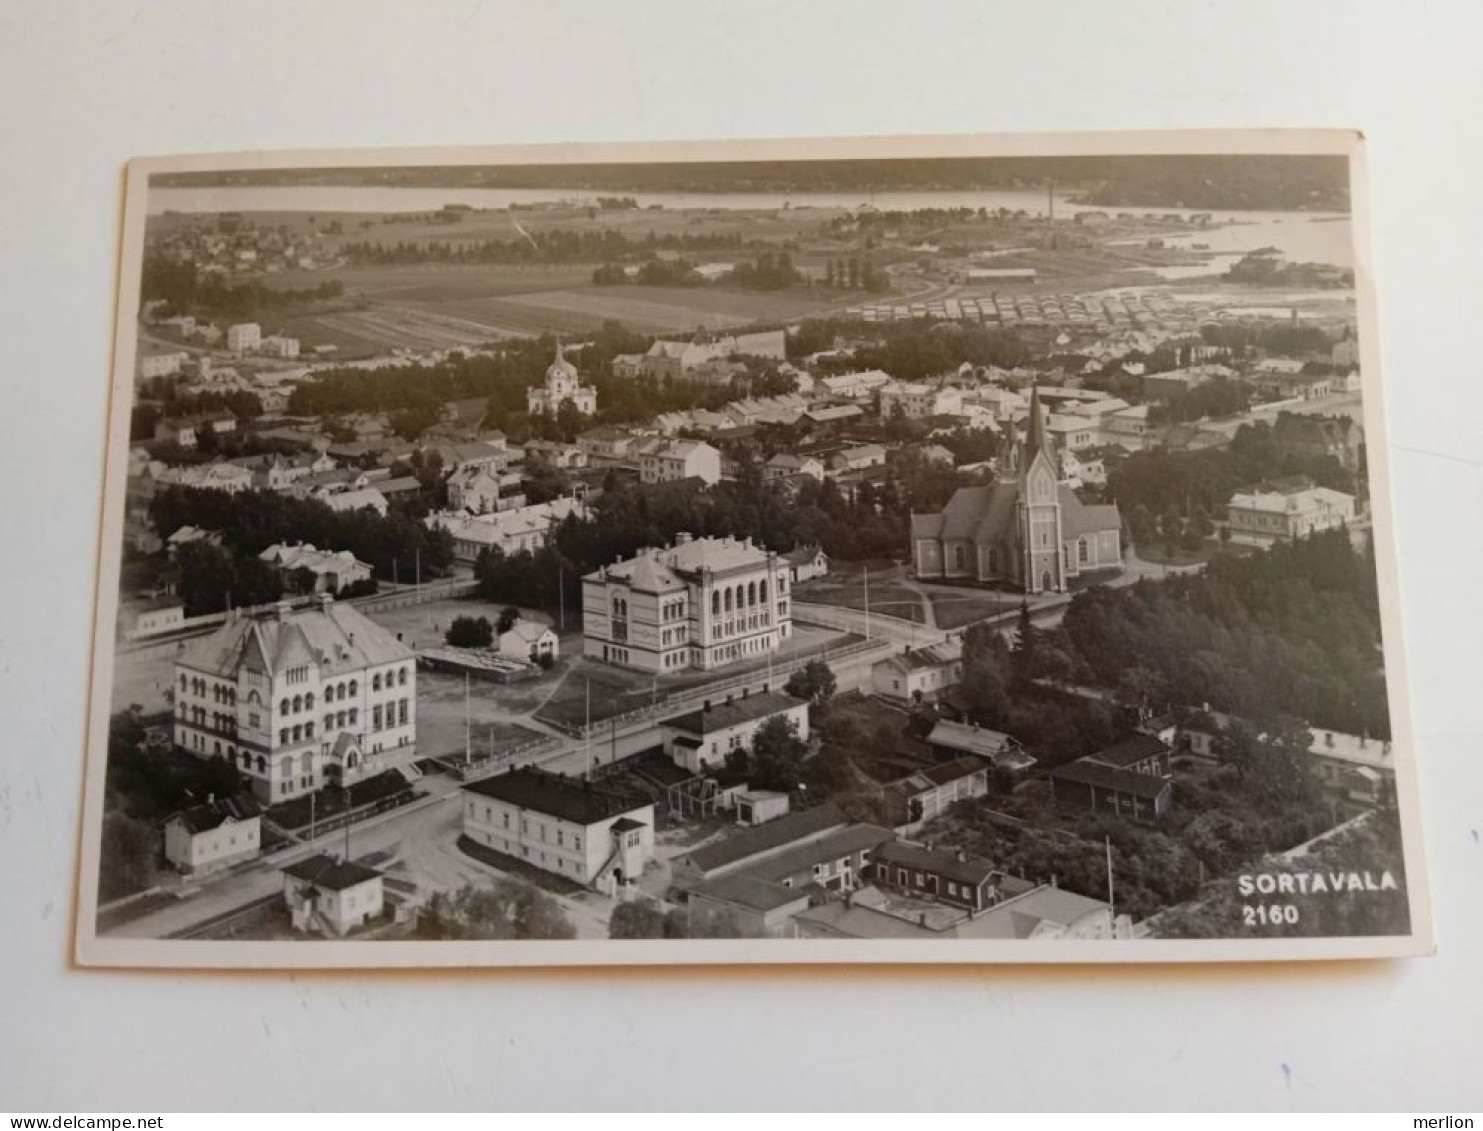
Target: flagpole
x=1111 y=901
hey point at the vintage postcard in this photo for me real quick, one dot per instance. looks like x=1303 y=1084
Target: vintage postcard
x=946 y=549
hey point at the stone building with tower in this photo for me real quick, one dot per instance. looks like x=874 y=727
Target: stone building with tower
x=562 y=384
x=1027 y=529
x=297 y=700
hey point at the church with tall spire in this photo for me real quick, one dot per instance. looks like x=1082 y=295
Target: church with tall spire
x=1027 y=529
x=562 y=384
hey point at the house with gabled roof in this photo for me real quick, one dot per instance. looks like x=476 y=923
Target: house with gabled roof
x=213 y=835
x=919 y=675
x=332 y=896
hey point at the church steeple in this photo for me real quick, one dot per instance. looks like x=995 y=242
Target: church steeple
x=1036 y=438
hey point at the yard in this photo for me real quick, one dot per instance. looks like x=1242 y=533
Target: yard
x=615 y=690
x=845 y=587
x=954 y=610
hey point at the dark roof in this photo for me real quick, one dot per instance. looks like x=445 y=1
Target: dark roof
x=721 y=716
x=213 y=814
x=627 y=824
x=751 y=892
x=326 y=872
x=834 y=844
x=555 y=795
x=954 y=865
x=1130 y=751
x=963 y=766
x=799 y=555
x=1087 y=772
x=762 y=838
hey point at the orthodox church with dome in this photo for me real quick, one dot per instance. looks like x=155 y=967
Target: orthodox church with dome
x=562 y=384
x=1028 y=528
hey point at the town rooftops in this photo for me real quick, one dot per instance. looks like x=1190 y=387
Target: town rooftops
x=990 y=744
x=835 y=844
x=213 y=814
x=566 y=799
x=303 y=555
x=752 y=892
x=930 y=655
x=687 y=558
x=723 y=716
x=761 y=839
x=1131 y=751
x=1084 y=771
x=958 y=866
x=803 y=555
x=1287 y=498
x=331 y=874
x=335 y=636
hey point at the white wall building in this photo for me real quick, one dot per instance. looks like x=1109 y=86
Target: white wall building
x=1281 y=512
x=701 y=740
x=918 y=400
x=244 y=337
x=332 y=897
x=205 y=838
x=573 y=828
x=701 y=603
x=332 y=571
x=529 y=641
x=681 y=459
x=161 y=364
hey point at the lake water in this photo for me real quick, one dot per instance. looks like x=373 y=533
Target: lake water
x=1302 y=236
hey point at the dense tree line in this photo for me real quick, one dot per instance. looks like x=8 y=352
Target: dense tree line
x=251 y=521
x=556 y=245
x=141 y=790
x=1291 y=632
x=1194 y=180
x=1149 y=484
x=911 y=351
x=629 y=517
x=416 y=391
x=652 y=273
x=506 y=909
x=769 y=272
x=187 y=290
x=1375 y=841
x=1258 y=270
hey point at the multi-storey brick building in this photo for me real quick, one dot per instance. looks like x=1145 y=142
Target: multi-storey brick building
x=701 y=603
x=297 y=700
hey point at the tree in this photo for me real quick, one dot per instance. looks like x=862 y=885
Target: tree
x=510 y=909
x=1026 y=643
x=128 y=857
x=815 y=681
x=636 y=919
x=507 y=618
x=470 y=632
x=777 y=755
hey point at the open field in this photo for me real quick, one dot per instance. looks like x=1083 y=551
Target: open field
x=845 y=587
x=446 y=305
x=955 y=611
x=641 y=309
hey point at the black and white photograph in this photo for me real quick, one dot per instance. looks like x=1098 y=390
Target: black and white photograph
x=931 y=549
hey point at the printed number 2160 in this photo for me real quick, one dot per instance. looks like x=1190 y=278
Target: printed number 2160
x=1268 y=914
